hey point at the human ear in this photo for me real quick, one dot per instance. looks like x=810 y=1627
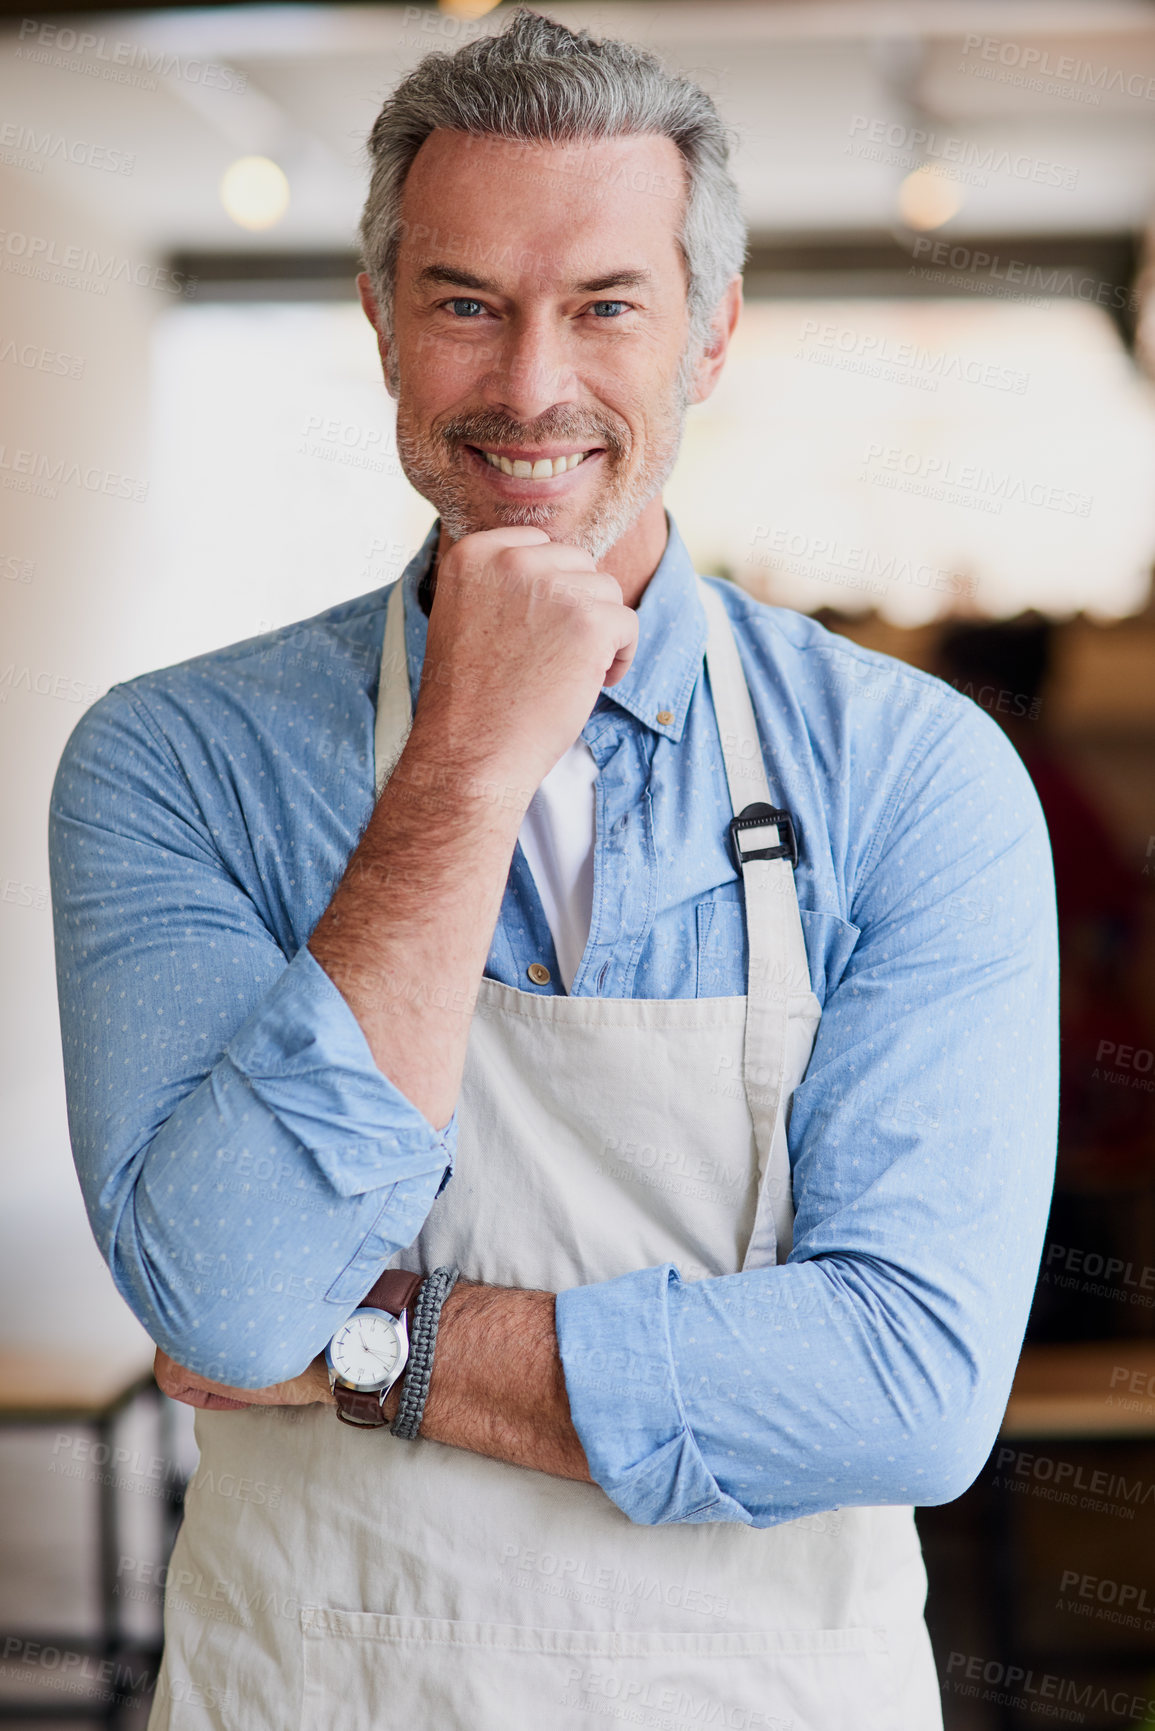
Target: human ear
x=372 y=312
x=713 y=356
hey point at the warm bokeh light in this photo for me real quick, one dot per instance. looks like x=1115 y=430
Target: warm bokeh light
x=255 y=192
x=927 y=199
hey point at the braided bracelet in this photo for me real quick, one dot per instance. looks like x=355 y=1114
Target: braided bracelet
x=435 y=1289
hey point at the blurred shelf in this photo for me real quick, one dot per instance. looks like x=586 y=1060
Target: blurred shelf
x=1095 y=1389
x=36 y=1386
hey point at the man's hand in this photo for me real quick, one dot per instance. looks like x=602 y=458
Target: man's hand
x=523 y=633
x=193 y=1390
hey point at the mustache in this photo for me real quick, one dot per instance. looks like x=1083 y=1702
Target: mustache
x=488 y=427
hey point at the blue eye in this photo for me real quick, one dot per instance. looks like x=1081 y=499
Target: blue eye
x=464 y=301
x=598 y=304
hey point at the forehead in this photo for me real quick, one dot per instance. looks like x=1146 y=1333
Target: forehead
x=558 y=208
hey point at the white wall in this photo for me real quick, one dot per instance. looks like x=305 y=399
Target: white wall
x=70 y=566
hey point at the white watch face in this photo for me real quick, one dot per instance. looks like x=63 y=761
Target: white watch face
x=367 y=1351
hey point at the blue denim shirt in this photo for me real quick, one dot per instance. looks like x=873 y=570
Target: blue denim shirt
x=248 y=1170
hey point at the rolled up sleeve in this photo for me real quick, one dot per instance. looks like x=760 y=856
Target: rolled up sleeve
x=647 y=1461
x=873 y=1367
x=247 y=1168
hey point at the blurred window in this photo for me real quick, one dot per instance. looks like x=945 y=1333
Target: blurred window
x=918 y=457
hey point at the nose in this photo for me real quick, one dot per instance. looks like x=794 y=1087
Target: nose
x=532 y=371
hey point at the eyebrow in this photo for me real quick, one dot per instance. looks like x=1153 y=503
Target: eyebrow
x=443 y=273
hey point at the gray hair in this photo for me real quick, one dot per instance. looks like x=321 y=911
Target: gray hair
x=538 y=82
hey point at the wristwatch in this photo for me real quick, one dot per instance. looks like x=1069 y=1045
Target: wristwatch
x=368 y=1353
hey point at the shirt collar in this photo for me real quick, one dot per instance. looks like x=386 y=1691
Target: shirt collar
x=671 y=636
x=671 y=643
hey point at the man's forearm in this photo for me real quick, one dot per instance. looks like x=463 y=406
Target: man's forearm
x=522 y=635
x=497 y=1386
x=406 y=935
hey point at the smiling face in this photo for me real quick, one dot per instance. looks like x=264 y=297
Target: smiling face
x=540 y=320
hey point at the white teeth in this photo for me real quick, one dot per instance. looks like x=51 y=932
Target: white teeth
x=541 y=470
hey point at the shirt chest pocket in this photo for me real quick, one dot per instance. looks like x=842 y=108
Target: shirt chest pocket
x=722 y=951
x=721 y=932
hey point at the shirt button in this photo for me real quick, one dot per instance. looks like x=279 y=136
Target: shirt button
x=538 y=973
x=665 y=717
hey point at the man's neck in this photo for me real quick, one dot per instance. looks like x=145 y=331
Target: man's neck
x=632 y=559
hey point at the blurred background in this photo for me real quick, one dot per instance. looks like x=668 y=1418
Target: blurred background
x=936 y=432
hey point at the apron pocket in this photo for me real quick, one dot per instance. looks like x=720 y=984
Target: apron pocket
x=365 y=1670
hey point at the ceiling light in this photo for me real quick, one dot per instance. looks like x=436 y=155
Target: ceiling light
x=255 y=192
x=926 y=199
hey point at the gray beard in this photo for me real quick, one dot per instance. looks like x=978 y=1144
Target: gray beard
x=603 y=525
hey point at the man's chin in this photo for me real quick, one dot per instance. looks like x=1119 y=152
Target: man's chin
x=594 y=532
x=472 y=520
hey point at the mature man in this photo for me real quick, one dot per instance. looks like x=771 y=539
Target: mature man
x=678 y=975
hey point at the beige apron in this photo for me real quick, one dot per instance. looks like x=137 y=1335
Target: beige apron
x=379 y=1583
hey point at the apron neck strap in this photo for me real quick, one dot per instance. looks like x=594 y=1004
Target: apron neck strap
x=737 y=729
x=394 y=708
x=779 y=969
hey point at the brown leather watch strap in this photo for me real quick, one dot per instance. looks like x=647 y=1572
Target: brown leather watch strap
x=360 y=1408
x=393 y=1291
